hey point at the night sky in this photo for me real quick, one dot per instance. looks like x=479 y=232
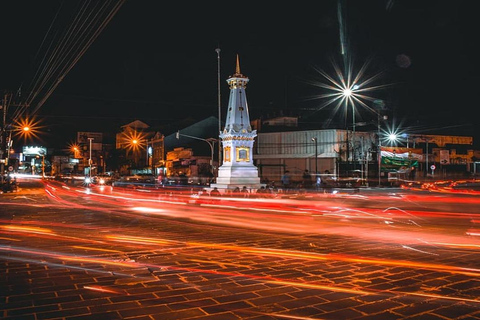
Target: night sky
x=156 y=61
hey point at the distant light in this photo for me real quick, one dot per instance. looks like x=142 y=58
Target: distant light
x=392 y=137
x=88 y=180
x=26 y=129
x=355 y=87
x=347 y=92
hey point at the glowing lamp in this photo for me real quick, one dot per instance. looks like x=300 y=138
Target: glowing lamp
x=392 y=137
x=347 y=92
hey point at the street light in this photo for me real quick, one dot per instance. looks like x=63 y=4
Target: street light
x=219 y=107
x=393 y=138
x=210 y=141
x=314 y=139
x=348 y=94
x=137 y=144
x=379 y=153
x=42 y=153
x=90 y=158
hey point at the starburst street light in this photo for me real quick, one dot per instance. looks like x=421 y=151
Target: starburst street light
x=27 y=128
x=346 y=89
x=393 y=135
x=134 y=142
x=75 y=149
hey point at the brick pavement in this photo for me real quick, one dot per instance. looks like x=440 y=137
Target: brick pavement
x=60 y=278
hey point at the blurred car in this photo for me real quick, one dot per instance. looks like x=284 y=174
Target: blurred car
x=351 y=179
x=102 y=179
x=140 y=180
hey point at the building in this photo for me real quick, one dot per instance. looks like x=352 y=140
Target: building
x=340 y=152
x=321 y=152
x=140 y=149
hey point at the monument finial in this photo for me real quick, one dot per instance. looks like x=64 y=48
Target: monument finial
x=237 y=70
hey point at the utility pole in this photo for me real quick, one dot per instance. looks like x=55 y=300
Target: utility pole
x=379 y=153
x=3 y=154
x=219 y=108
x=90 y=158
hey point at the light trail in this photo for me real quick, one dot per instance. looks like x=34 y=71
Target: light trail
x=309 y=256
x=105 y=290
x=27 y=229
x=312 y=222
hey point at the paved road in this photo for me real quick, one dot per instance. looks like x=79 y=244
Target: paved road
x=66 y=254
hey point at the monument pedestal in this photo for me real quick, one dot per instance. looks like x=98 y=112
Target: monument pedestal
x=230 y=177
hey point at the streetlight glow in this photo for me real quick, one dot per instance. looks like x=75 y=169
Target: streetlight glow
x=27 y=128
x=346 y=87
x=393 y=135
x=347 y=92
x=134 y=141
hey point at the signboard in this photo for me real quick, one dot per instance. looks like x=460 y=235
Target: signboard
x=82 y=137
x=34 y=151
x=445 y=156
x=390 y=164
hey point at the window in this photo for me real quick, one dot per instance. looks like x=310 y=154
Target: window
x=226 y=155
x=243 y=154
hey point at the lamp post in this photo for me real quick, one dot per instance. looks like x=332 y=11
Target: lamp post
x=314 y=139
x=347 y=93
x=379 y=153
x=42 y=153
x=219 y=107
x=150 y=156
x=90 y=158
x=210 y=141
x=147 y=155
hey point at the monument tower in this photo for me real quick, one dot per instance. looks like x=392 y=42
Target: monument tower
x=237 y=169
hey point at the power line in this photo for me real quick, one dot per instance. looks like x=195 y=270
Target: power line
x=62 y=54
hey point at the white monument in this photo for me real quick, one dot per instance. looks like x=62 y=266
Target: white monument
x=237 y=169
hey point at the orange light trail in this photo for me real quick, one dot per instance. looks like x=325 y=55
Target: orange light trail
x=139 y=240
x=310 y=256
x=104 y=290
x=273 y=280
x=28 y=229
x=96 y=249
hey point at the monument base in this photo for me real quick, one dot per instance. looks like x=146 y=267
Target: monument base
x=239 y=176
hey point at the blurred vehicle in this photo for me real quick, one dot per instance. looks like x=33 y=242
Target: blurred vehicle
x=138 y=180
x=102 y=179
x=351 y=179
x=9 y=184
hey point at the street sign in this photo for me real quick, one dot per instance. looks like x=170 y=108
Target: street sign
x=432 y=167
x=10 y=168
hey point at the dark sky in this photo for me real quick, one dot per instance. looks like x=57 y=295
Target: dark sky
x=156 y=60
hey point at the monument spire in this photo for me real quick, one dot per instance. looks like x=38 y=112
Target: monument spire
x=237 y=71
